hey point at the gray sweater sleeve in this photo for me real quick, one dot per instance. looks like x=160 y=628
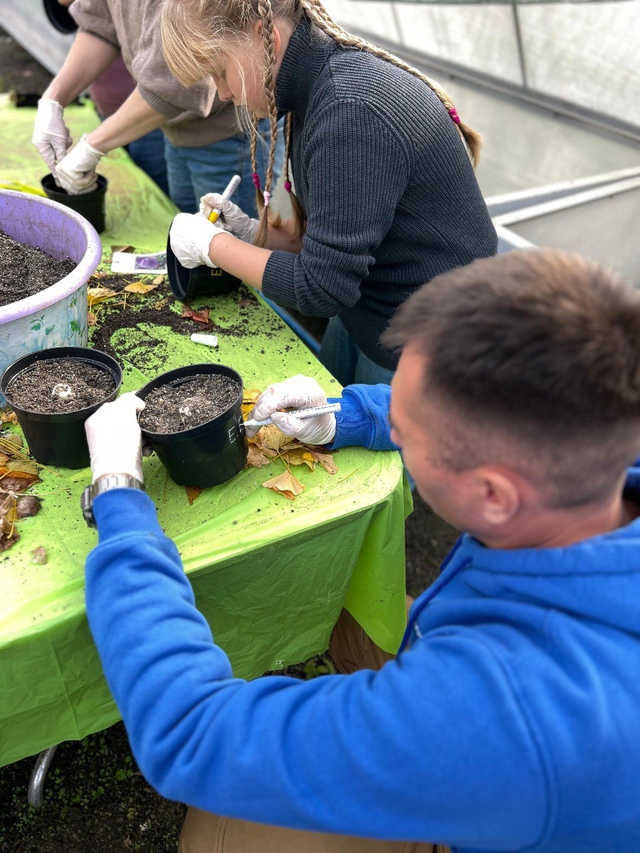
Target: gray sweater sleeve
x=351 y=203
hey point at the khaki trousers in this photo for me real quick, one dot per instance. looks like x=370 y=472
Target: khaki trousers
x=203 y=832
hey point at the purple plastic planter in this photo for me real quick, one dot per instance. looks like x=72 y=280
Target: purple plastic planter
x=57 y=316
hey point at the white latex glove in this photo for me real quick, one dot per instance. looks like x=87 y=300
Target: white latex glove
x=50 y=134
x=234 y=219
x=76 y=173
x=114 y=438
x=191 y=235
x=299 y=392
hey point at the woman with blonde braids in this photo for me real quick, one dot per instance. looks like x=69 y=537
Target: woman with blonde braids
x=385 y=192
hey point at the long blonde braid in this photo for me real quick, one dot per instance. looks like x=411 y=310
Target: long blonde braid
x=320 y=17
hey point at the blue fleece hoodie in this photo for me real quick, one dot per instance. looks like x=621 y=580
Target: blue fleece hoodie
x=509 y=722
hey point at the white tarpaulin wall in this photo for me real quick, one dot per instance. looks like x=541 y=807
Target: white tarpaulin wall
x=584 y=54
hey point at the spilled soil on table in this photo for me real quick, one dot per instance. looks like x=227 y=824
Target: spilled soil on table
x=95 y=797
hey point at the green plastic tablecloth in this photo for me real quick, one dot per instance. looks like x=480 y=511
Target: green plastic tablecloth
x=270 y=575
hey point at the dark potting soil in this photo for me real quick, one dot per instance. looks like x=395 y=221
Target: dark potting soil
x=26 y=270
x=176 y=407
x=59 y=385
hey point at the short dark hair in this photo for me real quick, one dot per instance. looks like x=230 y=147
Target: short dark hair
x=541 y=345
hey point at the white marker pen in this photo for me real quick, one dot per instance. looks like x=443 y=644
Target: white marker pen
x=231 y=187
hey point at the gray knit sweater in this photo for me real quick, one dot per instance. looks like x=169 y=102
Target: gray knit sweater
x=390 y=195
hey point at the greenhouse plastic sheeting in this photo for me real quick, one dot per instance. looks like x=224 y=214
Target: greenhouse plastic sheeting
x=270 y=575
x=585 y=54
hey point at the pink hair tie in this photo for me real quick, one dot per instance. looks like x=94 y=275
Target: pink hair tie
x=256 y=180
x=287 y=186
x=454 y=115
x=267 y=198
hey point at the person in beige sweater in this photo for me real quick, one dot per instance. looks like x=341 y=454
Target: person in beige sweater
x=204 y=144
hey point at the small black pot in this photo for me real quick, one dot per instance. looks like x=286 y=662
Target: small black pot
x=59 y=17
x=200 y=281
x=210 y=453
x=59 y=438
x=90 y=205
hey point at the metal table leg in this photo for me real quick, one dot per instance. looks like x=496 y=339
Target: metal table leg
x=36 y=783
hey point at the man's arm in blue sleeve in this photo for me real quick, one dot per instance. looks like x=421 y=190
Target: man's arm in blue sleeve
x=363 y=420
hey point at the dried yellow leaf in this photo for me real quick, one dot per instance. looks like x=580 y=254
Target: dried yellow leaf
x=270 y=436
x=139 y=287
x=285 y=484
x=99 y=294
x=324 y=459
x=298 y=456
x=91 y=319
x=256 y=458
x=8 y=418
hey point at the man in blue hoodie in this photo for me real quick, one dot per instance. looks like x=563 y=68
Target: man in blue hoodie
x=509 y=720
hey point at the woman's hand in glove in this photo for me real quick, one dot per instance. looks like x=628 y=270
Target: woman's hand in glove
x=234 y=219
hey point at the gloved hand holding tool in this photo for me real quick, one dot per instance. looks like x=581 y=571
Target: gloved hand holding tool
x=235 y=221
x=76 y=173
x=299 y=392
x=50 y=134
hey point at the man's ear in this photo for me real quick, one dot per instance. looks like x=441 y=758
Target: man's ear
x=498 y=495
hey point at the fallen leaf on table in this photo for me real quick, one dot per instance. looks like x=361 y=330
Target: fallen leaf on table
x=23 y=468
x=13 y=483
x=27 y=505
x=8 y=509
x=249 y=400
x=257 y=458
x=39 y=556
x=140 y=287
x=161 y=303
x=99 y=294
x=8 y=418
x=8 y=534
x=126 y=248
x=158 y=280
x=324 y=459
x=298 y=456
x=91 y=319
x=193 y=493
x=285 y=484
x=196 y=316
x=273 y=438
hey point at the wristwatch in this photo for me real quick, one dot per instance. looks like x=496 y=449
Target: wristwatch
x=103 y=484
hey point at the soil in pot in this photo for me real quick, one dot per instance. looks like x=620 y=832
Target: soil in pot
x=26 y=270
x=53 y=386
x=174 y=408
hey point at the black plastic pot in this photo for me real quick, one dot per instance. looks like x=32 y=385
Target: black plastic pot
x=210 y=453
x=200 y=281
x=59 y=17
x=90 y=205
x=59 y=439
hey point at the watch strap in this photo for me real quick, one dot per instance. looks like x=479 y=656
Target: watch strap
x=105 y=484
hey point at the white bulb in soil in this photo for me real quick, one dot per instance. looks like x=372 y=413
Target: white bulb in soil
x=62 y=390
x=187 y=403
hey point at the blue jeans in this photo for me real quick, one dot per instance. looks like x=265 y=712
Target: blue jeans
x=148 y=153
x=194 y=172
x=346 y=361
